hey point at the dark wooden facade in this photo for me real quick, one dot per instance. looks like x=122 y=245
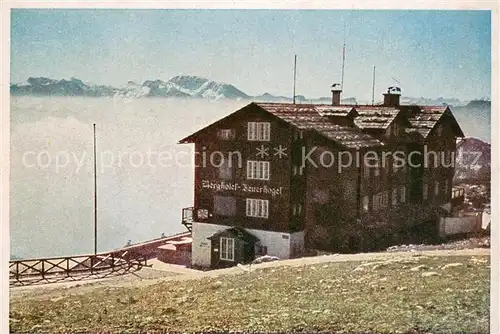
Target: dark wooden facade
x=338 y=209
x=208 y=174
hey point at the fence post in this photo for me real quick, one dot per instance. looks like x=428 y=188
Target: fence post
x=43 y=268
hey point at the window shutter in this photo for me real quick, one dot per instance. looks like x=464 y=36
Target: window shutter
x=249 y=169
x=249 y=211
x=265 y=170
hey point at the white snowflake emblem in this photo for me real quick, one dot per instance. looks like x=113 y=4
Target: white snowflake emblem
x=280 y=151
x=262 y=151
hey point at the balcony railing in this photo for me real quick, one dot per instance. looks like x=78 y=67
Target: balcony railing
x=457 y=192
x=457 y=196
x=188 y=217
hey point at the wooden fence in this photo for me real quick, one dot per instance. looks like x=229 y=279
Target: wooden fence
x=50 y=270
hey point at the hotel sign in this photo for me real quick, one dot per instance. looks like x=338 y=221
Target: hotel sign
x=240 y=187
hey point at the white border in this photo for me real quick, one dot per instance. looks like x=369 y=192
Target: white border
x=255 y=4
x=495 y=175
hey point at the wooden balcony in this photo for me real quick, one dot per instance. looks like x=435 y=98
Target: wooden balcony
x=457 y=196
x=188 y=217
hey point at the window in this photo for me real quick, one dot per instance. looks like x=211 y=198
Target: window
x=257 y=170
x=226 y=170
x=298 y=134
x=394 y=197
x=449 y=159
x=226 y=134
x=225 y=205
x=202 y=214
x=227 y=249
x=297 y=209
x=425 y=190
x=436 y=188
x=366 y=172
x=432 y=159
x=385 y=199
x=297 y=170
x=375 y=204
x=257 y=208
x=439 y=130
x=366 y=203
x=403 y=194
x=387 y=165
x=259 y=131
x=395 y=129
x=380 y=200
x=397 y=165
x=261 y=250
x=349 y=190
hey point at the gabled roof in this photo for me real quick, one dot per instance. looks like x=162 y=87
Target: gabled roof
x=375 y=117
x=424 y=121
x=320 y=109
x=309 y=117
x=236 y=232
x=336 y=111
x=346 y=125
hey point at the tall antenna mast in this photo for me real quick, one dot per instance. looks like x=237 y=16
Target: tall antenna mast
x=294 y=77
x=373 y=86
x=343 y=59
x=95 y=195
x=393 y=78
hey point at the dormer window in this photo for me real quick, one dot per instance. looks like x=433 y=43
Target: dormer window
x=226 y=134
x=395 y=129
x=259 y=131
x=392 y=130
x=439 y=130
x=298 y=134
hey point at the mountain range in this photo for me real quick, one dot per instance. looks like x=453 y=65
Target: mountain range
x=182 y=86
x=473 y=161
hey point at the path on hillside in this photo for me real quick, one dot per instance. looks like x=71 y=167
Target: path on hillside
x=166 y=272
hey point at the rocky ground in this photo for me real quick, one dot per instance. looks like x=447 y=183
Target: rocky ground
x=432 y=291
x=478 y=241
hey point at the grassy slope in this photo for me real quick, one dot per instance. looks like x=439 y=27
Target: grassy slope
x=373 y=297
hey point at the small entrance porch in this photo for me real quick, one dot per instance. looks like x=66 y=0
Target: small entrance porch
x=232 y=246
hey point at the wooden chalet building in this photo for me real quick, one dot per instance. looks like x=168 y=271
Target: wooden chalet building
x=275 y=178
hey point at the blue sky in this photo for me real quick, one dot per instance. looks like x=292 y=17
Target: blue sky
x=430 y=53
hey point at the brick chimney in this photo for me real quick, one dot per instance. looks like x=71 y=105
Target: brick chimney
x=391 y=98
x=336 y=91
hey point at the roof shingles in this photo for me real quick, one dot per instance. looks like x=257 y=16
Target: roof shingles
x=428 y=117
x=324 y=119
x=308 y=117
x=375 y=117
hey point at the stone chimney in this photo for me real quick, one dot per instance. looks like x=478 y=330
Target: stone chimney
x=391 y=98
x=336 y=91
